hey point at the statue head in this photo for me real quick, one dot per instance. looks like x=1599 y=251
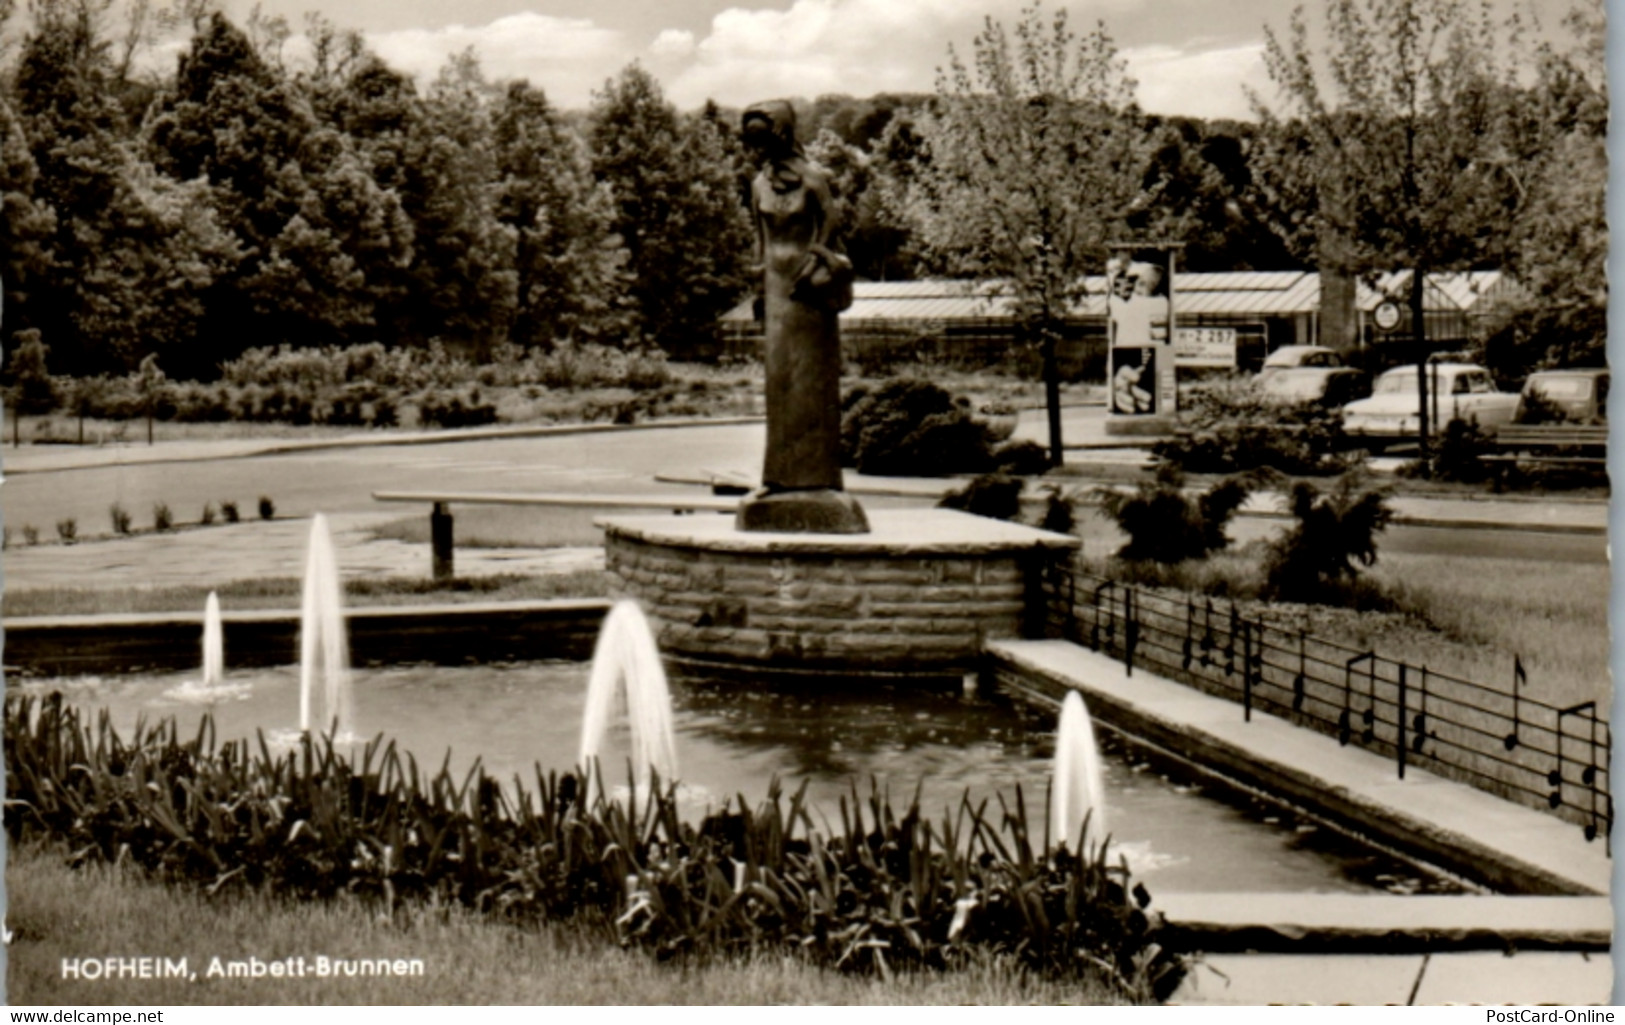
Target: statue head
x=769 y=128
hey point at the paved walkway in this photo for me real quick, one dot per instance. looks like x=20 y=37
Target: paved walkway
x=1472 y=977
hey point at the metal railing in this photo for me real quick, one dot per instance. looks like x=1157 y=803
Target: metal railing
x=1498 y=739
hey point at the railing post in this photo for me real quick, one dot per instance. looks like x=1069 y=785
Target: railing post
x=440 y=540
x=1131 y=631
x=1400 y=744
x=1247 y=671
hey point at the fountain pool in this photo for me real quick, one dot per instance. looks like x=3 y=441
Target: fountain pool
x=1177 y=836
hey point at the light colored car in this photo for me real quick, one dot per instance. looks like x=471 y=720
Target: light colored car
x=1323 y=386
x=1578 y=396
x=1289 y=357
x=1461 y=391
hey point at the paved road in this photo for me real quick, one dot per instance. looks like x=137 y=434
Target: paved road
x=342 y=480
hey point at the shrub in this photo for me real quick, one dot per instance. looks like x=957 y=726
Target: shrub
x=1228 y=427
x=891 y=888
x=994 y=495
x=1457 y=450
x=1334 y=531
x=912 y=428
x=455 y=411
x=120 y=517
x=30 y=534
x=67 y=530
x=383 y=412
x=33 y=388
x=207 y=518
x=1060 y=510
x=229 y=511
x=267 y=508
x=1022 y=458
x=646 y=370
x=1164 y=524
x=162 y=518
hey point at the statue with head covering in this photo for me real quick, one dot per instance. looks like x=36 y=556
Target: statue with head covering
x=806 y=283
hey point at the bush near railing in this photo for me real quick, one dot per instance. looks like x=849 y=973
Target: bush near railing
x=890 y=890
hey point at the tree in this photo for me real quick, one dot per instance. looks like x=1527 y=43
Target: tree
x=1403 y=130
x=26 y=223
x=463 y=284
x=1558 y=243
x=133 y=253
x=571 y=277
x=1026 y=167
x=677 y=209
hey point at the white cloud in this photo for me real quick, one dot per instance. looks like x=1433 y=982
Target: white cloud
x=1206 y=83
x=566 y=57
x=673 y=42
x=820 y=46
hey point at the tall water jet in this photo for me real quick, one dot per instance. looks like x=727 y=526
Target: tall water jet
x=1077 y=790
x=626 y=661
x=324 y=656
x=214 y=645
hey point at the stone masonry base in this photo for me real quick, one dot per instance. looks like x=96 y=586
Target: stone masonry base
x=920 y=593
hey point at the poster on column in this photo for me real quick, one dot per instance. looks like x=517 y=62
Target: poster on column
x=1137 y=310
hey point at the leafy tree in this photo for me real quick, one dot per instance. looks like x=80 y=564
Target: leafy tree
x=134 y=253
x=677 y=209
x=463 y=284
x=1558 y=243
x=1402 y=132
x=1026 y=168
x=26 y=222
x=324 y=243
x=1335 y=533
x=571 y=278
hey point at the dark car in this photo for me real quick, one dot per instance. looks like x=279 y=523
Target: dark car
x=1325 y=386
x=1574 y=396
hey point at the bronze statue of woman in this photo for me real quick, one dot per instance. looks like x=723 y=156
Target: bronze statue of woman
x=806 y=284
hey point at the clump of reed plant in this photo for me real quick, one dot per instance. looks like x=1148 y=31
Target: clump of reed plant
x=229 y=511
x=120 y=517
x=30 y=534
x=891 y=889
x=267 y=508
x=67 y=530
x=162 y=518
x=207 y=516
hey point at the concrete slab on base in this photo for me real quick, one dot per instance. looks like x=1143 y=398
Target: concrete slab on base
x=1537 y=977
x=1454 y=824
x=892 y=532
x=1386 y=923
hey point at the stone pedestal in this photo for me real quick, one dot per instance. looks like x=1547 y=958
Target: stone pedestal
x=810 y=511
x=918 y=594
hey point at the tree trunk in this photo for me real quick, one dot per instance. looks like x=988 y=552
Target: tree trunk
x=1048 y=343
x=1419 y=336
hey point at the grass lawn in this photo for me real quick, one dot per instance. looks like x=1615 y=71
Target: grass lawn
x=286 y=592
x=56 y=912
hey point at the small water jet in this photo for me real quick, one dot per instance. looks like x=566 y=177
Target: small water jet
x=1077 y=788
x=324 y=657
x=214 y=645
x=626 y=662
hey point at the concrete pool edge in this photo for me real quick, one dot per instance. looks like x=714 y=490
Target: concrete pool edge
x=1456 y=827
x=565 y=629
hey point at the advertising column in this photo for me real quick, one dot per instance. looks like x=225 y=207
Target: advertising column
x=1140 y=325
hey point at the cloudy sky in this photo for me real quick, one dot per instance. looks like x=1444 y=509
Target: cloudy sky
x=1189 y=56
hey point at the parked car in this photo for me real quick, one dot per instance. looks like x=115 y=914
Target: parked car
x=1575 y=396
x=1462 y=391
x=1323 y=386
x=1291 y=356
